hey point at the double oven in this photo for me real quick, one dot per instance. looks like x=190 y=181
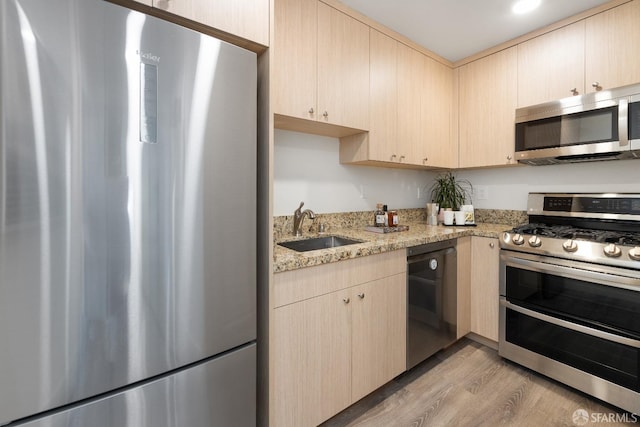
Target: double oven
x=570 y=293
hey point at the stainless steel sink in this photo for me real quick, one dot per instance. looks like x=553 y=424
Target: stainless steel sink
x=316 y=243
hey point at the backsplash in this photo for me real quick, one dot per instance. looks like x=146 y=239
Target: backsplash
x=283 y=225
x=501 y=216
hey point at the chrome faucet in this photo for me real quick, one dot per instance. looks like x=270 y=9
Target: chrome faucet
x=298 y=217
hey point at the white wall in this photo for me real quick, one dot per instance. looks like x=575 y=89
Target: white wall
x=307 y=168
x=507 y=188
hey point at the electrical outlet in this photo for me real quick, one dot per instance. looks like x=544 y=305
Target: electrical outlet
x=362 y=195
x=417 y=192
x=480 y=192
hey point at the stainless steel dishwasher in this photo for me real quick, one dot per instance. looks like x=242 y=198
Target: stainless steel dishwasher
x=431 y=293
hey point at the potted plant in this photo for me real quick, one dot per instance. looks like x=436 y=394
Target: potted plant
x=449 y=193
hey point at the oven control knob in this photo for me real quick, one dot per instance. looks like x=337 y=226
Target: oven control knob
x=570 y=246
x=534 y=241
x=611 y=250
x=518 y=239
x=635 y=253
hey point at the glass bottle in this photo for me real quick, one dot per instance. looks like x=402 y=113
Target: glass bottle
x=379 y=216
x=393 y=218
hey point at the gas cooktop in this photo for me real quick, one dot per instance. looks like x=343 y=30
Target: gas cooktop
x=597 y=228
x=579 y=233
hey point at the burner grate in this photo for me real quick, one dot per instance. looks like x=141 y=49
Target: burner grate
x=578 y=233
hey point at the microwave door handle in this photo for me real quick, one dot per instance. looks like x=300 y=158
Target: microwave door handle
x=623 y=115
x=569 y=325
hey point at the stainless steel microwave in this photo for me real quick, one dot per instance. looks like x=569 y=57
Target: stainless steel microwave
x=603 y=125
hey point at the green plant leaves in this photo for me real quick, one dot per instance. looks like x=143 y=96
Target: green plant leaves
x=448 y=192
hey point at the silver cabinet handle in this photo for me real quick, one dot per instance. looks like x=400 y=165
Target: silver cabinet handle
x=311 y=111
x=346 y=300
x=361 y=295
x=596 y=85
x=325 y=114
x=402 y=158
x=574 y=91
x=425 y=160
x=492 y=245
x=509 y=157
x=393 y=156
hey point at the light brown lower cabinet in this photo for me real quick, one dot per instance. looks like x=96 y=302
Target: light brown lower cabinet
x=484 y=287
x=330 y=350
x=378 y=333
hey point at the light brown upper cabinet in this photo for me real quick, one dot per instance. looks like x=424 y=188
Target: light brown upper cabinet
x=410 y=110
x=382 y=143
x=438 y=147
x=248 y=19
x=488 y=98
x=321 y=64
x=612 y=46
x=551 y=66
x=294 y=72
x=343 y=69
x=410 y=146
x=424 y=111
x=593 y=54
x=383 y=74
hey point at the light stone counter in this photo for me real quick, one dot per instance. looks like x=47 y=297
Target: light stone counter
x=374 y=243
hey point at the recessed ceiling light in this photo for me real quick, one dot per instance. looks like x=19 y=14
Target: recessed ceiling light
x=524 y=6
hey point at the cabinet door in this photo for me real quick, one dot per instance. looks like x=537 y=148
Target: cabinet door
x=379 y=333
x=485 y=289
x=410 y=75
x=551 y=66
x=439 y=149
x=248 y=19
x=343 y=69
x=295 y=67
x=384 y=97
x=612 y=46
x=311 y=372
x=488 y=98
x=182 y=8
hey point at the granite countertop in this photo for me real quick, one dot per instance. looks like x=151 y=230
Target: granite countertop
x=374 y=243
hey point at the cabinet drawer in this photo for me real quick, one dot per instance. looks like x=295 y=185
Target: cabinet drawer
x=304 y=283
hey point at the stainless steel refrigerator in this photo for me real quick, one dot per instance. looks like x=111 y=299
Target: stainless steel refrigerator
x=127 y=220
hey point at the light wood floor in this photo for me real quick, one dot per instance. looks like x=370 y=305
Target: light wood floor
x=468 y=384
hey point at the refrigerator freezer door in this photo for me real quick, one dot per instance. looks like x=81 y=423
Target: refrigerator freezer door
x=127 y=200
x=186 y=398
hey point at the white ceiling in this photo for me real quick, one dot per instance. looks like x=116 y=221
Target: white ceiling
x=455 y=29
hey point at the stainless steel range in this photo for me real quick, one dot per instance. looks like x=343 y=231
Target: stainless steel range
x=570 y=293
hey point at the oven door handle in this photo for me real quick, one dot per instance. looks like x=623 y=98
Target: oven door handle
x=606 y=277
x=569 y=325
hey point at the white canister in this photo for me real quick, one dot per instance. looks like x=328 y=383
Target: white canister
x=459 y=217
x=448 y=217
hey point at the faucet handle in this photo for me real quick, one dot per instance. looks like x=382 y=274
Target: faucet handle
x=298 y=211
